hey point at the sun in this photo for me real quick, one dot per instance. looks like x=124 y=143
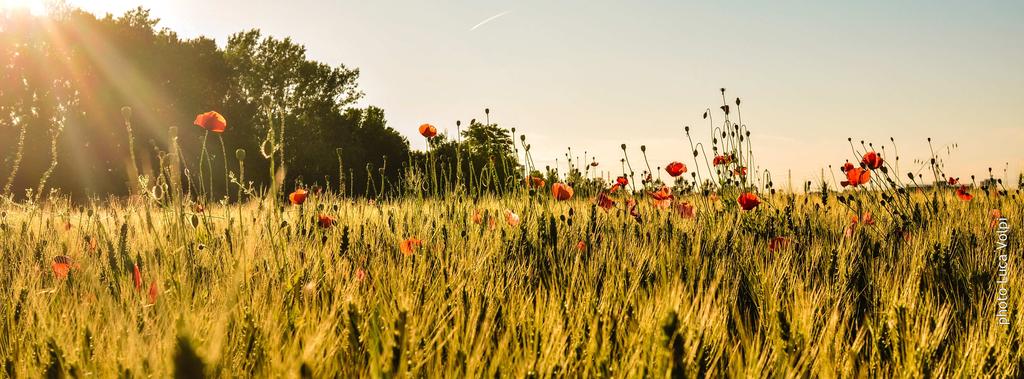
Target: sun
x=34 y=7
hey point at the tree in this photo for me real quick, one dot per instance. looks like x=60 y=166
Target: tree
x=484 y=161
x=66 y=79
x=273 y=77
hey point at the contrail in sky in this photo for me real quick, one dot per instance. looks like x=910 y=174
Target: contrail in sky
x=489 y=19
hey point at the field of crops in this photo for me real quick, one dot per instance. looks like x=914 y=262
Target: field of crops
x=610 y=285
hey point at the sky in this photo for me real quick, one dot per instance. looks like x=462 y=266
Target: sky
x=592 y=75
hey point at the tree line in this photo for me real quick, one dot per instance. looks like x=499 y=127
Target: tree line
x=89 y=105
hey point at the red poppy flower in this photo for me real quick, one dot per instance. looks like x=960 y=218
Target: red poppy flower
x=511 y=218
x=325 y=221
x=61 y=266
x=856 y=177
x=622 y=181
x=748 y=201
x=663 y=198
x=605 y=202
x=867 y=219
x=997 y=217
x=778 y=243
x=428 y=130
x=740 y=171
x=211 y=121
x=535 y=182
x=581 y=246
x=561 y=191
x=409 y=245
x=846 y=167
x=963 y=194
x=298 y=197
x=136 y=277
x=722 y=160
x=953 y=181
x=685 y=210
x=872 y=160
x=631 y=204
x=662 y=194
x=153 y=292
x=675 y=169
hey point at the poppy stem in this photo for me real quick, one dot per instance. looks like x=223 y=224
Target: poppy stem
x=224 y=156
x=202 y=157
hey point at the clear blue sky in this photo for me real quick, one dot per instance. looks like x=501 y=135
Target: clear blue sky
x=594 y=74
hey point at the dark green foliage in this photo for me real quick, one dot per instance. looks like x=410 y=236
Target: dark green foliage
x=187 y=364
x=55 y=369
x=166 y=81
x=481 y=158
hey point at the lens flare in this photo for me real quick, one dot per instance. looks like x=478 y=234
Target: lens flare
x=34 y=7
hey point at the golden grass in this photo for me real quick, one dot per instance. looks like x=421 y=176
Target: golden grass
x=262 y=291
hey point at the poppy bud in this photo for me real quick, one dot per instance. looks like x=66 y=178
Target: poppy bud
x=522 y=138
x=513 y=130
x=910 y=175
x=705 y=115
x=643 y=148
x=126 y=112
x=623 y=146
x=240 y=154
x=723 y=90
x=487 y=111
x=737 y=101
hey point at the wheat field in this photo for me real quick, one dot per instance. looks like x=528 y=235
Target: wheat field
x=509 y=286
